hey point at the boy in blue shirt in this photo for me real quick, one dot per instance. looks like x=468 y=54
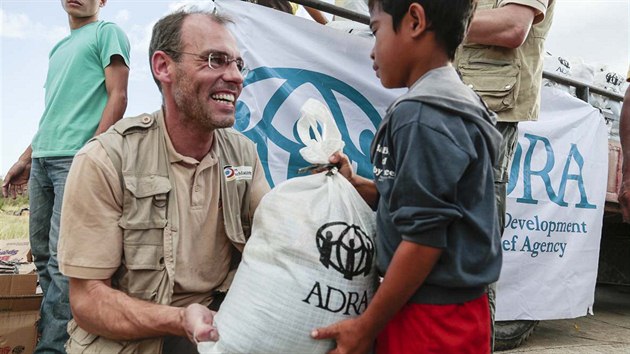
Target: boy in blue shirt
x=438 y=243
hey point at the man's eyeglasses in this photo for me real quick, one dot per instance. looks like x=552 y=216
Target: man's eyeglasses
x=220 y=60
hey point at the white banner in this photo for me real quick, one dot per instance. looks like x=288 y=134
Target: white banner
x=547 y=274
x=291 y=60
x=555 y=206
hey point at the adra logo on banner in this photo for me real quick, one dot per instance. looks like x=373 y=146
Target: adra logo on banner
x=265 y=133
x=556 y=190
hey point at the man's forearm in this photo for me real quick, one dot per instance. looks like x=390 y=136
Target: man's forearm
x=316 y=15
x=113 y=112
x=506 y=26
x=101 y=310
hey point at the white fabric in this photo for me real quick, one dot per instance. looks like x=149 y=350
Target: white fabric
x=318 y=149
x=310 y=261
x=349 y=26
x=539 y=283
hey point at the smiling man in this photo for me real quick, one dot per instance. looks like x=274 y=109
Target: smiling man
x=86 y=92
x=154 y=219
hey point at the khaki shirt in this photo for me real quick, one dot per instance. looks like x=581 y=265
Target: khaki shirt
x=509 y=80
x=91 y=243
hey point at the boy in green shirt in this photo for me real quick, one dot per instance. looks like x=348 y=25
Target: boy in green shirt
x=86 y=92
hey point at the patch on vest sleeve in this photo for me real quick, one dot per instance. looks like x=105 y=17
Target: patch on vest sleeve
x=238 y=172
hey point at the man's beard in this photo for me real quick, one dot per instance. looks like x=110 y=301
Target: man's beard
x=195 y=112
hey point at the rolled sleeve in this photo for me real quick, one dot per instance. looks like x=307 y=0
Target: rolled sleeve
x=539 y=5
x=423 y=201
x=114 y=42
x=90 y=244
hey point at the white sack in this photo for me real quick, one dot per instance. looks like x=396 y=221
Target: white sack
x=308 y=263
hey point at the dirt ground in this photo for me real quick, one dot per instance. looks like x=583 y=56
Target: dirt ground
x=608 y=331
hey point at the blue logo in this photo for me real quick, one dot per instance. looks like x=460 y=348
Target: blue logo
x=264 y=133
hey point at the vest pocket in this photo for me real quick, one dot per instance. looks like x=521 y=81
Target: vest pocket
x=82 y=341
x=144 y=202
x=497 y=82
x=143 y=221
x=79 y=336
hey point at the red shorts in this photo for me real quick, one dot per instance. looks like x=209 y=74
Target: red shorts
x=441 y=329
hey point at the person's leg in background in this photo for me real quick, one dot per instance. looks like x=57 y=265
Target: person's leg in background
x=509 y=131
x=46 y=187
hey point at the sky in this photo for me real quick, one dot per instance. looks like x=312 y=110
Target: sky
x=594 y=31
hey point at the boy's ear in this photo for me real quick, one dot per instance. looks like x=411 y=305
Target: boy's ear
x=417 y=23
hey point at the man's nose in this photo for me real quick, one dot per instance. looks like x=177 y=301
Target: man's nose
x=233 y=74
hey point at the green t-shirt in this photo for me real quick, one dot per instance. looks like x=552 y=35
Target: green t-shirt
x=75 y=88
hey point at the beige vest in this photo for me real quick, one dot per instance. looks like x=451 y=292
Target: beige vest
x=137 y=148
x=507 y=79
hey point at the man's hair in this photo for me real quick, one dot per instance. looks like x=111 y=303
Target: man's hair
x=448 y=19
x=167 y=33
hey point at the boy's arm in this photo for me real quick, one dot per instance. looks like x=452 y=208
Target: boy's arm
x=366 y=187
x=356 y=335
x=116 y=77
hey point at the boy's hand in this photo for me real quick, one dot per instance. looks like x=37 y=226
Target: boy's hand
x=343 y=162
x=16 y=180
x=351 y=336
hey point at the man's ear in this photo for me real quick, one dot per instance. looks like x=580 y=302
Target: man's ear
x=161 y=66
x=417 y=23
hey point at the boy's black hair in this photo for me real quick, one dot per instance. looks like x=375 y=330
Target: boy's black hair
x=449 y=19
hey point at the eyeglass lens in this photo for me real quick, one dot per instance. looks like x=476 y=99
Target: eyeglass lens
x=221 y=60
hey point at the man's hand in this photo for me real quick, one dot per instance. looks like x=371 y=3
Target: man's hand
x=199 y=324
x=352 y=336
x=16 y=179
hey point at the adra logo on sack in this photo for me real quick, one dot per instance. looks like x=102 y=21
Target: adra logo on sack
x=348 y=250
x=345 y=248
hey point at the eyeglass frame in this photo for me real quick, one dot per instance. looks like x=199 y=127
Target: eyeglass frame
x=243 y=70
